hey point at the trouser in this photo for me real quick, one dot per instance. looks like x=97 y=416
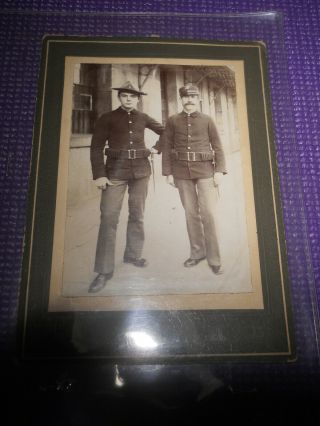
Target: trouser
x=199 y=199
x=110 y=207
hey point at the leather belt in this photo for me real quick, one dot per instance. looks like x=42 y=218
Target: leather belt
x=127 y=154
x=192 y=156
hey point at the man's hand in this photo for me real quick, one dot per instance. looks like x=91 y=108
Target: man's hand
x=170 y=180
x=217 y=178
x=103 y=182
x=154 y=150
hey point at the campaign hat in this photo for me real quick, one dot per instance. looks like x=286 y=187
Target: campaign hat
x=128 y=87
x=189 y=89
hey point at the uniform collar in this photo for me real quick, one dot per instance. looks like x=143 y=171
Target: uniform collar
x=193 y=114
x=133 y=111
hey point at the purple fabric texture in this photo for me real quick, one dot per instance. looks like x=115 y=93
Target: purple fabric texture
x=295 y=93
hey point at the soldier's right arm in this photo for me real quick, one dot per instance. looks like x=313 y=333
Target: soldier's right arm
x=98 y=142
x=167 y=146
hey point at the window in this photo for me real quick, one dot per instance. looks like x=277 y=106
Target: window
x=82 y=101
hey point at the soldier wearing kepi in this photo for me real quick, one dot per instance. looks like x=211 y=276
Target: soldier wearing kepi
x=127 y=166
x=193 y=161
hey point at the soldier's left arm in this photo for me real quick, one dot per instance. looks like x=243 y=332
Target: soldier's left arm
x=154 y=125
x=158 y=128
x=215 y=141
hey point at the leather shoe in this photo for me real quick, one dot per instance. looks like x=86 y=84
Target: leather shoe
x=139 y=262
x=99 y=282
x=192 y=262
x=216 y=269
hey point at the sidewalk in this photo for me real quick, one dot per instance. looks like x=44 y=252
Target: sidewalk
x=166 y=246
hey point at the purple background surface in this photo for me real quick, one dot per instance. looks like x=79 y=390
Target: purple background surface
x=297 y=139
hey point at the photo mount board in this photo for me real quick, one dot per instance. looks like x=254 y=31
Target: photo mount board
x=217 y=332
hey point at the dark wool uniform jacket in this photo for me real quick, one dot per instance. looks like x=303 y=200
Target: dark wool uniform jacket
x=195 y=132
x=121 y=130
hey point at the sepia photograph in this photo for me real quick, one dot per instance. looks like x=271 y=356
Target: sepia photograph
x=154 y=209
x=155 y=187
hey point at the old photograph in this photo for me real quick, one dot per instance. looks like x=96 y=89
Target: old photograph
x=155 y=201
x=155 y=209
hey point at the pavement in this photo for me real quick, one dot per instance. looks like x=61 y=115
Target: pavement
x=166 y=245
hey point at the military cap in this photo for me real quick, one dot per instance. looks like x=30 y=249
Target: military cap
x=129 y=87
x=189 y=89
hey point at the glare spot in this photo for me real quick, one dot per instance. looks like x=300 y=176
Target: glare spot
x=142 y=340
x=118 y=379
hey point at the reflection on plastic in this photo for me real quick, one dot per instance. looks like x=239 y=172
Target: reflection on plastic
x=141 y=339
x=119 y=382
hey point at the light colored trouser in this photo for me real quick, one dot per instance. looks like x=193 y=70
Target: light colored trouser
x=199 y=199
x=110 y=207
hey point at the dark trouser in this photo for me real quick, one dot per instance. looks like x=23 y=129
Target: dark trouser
x=199 y=199
x=110 y=207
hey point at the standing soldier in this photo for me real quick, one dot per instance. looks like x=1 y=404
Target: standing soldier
x=127 y=166
x=193 y=161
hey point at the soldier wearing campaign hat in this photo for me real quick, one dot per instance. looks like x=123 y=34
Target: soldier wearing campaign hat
x=119 y=134
x=193 y=161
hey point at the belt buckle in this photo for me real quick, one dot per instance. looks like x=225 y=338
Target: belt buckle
x=132 y=154
x=193 y=156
